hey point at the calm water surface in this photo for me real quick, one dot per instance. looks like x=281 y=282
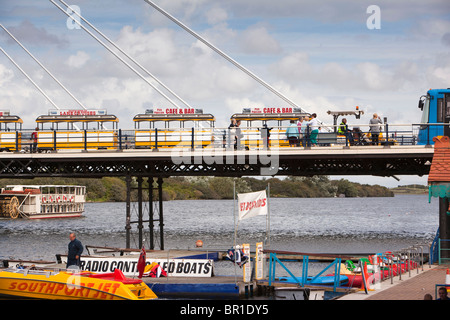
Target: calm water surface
x=330 y=225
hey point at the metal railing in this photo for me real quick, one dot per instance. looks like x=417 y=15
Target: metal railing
x=243 y=138
x=441 y=241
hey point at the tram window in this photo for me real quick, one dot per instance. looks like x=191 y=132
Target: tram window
x=447 y=105
x=440 y=110
x=425 y=111
x=205 y=124
x=159 y=124
x=274 y=123
x=188 y=124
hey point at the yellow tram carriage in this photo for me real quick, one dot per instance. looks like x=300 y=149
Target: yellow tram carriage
x=173 y=127
x=77 y=129
x=10 y=135
x=254 y=120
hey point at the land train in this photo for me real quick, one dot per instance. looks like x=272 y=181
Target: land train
x=435 y=106
x=162 y=128
x=157 y=128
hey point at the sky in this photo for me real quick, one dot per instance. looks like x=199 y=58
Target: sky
x=323 y=55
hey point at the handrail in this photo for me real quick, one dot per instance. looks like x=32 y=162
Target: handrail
x=303 y=280
x=443 y=249
x=243 y=138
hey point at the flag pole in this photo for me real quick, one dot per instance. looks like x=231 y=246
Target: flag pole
x=235 y=229
x=268 y=216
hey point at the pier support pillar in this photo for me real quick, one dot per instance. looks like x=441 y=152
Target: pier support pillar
x=156 y=207
x=128 y=212
x=141 y=210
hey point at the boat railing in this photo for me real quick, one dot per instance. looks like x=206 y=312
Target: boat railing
x=33 y=271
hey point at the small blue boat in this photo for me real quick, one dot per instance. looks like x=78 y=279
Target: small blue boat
x=326 y=280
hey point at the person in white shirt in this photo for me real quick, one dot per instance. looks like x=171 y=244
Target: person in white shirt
x=314 y=127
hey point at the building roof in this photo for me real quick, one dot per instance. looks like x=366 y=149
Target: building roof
x=440 y=166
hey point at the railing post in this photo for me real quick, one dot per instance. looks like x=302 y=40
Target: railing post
x=156 y=139
x=192 y=139
x=54 y=140
x=120 y=139
x=85 y=140
x=308 y=141
x=386 y=145
x=17 y=141
x=346 y=137
x=428 y=135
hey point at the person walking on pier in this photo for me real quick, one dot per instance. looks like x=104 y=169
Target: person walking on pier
x=375 y=128
x=75 y=251
x=231 y=134
x=314 y=127
x=292 y=134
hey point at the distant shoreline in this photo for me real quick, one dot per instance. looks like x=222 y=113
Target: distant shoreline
x=113 y=189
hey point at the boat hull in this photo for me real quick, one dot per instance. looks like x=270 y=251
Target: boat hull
x=55 y=215
x=68 y=286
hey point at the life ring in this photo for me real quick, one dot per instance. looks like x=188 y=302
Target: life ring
x=44 y=200
x=72 y=198
x=64 y=198
x=57 y=199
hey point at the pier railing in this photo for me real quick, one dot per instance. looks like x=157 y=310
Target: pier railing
x=395 y=263
x=304 y=279
x=443 y=248
x=243 y=138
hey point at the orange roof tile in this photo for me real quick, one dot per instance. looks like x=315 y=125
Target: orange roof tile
x=440 y=166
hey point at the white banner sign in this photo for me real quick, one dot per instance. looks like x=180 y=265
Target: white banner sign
x=252 y=204
x=173 y=267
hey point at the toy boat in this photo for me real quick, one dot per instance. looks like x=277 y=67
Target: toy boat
x=66 y=285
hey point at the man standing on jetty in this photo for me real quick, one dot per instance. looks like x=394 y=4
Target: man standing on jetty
x=75 y=250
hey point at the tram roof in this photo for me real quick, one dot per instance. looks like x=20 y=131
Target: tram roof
x=10 y=119
x=270 y=113
x=77 y=118
x=268 y=116
x=174 y=117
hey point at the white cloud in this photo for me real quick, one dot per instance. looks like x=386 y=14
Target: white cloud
x=257 y=40
x=216 y=15
x=6 y=75
x=78 y=60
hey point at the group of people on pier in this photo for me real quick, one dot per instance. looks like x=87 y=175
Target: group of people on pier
x=306 y=130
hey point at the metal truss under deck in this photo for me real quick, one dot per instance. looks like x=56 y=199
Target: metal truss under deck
x=162 y=164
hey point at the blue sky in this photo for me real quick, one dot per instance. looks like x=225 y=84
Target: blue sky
x=320 y=54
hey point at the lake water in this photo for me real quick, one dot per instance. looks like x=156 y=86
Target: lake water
x=314 y=225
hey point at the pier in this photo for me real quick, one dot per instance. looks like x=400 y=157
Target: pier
x=408 y=287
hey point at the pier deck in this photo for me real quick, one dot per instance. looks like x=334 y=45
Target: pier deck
x=408 y=288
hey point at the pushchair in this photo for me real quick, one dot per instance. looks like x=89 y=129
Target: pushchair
x=360 y=138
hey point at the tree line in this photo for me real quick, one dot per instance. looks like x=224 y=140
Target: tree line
x=113 y=189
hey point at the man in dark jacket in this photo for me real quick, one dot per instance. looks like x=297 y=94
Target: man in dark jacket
x=75 y=250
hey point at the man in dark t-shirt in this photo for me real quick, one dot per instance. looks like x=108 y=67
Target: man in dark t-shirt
x=75 y=251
